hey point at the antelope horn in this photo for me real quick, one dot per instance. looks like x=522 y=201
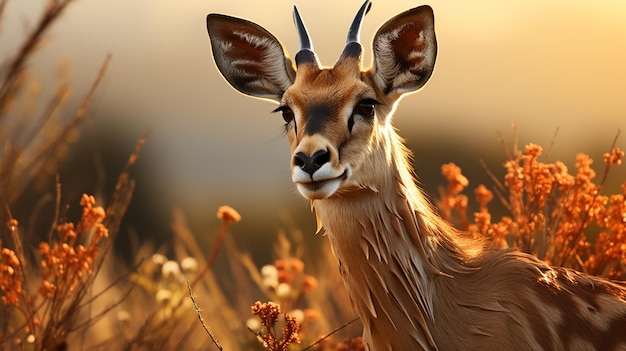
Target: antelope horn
x=353 y=47
x=355 y=28
x=306 y=54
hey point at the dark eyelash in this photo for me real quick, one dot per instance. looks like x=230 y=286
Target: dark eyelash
x=287 y=113
x=365 y=108
x=288 y=117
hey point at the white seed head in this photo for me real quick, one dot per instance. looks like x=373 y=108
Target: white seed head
x=298 y=314
x=270 y=276
x=270 y=283
x=158 y=259
x=269 y=271
x=254 y=324
x=189 y=265
x=171 y=270
x=163 y=297
x=123 y=316
x=283 y=290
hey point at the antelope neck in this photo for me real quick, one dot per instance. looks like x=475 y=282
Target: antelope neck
x=388 y=255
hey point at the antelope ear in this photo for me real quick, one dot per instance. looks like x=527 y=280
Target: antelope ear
x=250 y=58
x=405 y=48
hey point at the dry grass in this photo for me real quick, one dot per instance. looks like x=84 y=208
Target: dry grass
x=33 y=140
x=300 y=311
x=75 y=295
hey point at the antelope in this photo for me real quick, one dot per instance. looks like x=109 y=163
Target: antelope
x=415 y=282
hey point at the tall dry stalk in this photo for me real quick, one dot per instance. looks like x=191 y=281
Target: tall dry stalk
x=46 y=301
x=29 y=142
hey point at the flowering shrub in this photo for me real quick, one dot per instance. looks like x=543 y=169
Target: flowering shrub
x=268 y=314
x=553 y=213
x=66 y=272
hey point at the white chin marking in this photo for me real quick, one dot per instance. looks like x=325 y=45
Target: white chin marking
x=325 y=172
x=318 y=190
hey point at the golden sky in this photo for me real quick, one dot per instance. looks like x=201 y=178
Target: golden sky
x=541 y=64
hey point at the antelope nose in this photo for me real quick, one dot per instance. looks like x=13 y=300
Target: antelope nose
x=310 y=164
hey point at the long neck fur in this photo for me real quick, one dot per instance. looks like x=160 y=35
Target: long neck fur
x=390 y=246
x=418 y=284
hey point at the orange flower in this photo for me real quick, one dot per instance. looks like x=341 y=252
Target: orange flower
x=483 y=197
x=288 y=269
x=309 y=283
x=65 y=264
x=268 y=313
x=228 y=214
x=10 y=277
x=614 y=157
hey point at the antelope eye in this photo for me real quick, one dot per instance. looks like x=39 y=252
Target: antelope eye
x=286 y=112
x=366 y=108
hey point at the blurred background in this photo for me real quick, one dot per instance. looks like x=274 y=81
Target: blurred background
x=541 y=65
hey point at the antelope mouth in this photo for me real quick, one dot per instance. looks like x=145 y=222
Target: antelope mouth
x=320 y=182
x=321 y=188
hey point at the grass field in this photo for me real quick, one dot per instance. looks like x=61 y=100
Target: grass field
x=70 y=290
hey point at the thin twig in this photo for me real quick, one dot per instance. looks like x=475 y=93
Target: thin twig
x=79 y=116
x=214 y=252
x=19 y=249
x=198 y=312
x=2 y=6
x=329 y=334
x=123 y=193
x=227 y=220
x=587 y=218
x=502 y=142
x=552 y=143
x=498 y=187
x=57 y=208
x=492 y=176
x=11 y=81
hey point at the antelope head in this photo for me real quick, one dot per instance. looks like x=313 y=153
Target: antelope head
x=334 y=115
